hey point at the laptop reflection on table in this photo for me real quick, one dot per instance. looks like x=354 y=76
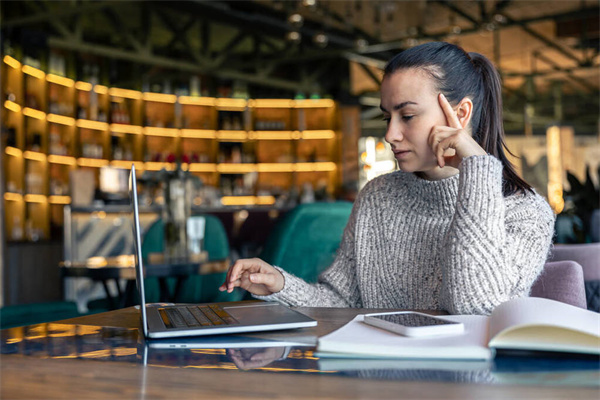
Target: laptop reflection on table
x=161 y=321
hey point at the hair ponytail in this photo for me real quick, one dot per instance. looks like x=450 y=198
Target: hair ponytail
x=490 y=131
x=459 y=74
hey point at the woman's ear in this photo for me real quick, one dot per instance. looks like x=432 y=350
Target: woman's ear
x=464 y=111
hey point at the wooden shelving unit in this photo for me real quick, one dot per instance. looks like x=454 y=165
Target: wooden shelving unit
x=250 y=149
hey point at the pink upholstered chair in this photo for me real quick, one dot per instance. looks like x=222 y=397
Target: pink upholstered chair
x=561 y=281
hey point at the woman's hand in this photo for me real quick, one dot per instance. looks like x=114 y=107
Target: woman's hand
x=453 y=142
x=254 y=275
x=255 y=357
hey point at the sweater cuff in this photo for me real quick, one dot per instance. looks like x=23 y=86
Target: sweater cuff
x=480 y=182
x=289 y=295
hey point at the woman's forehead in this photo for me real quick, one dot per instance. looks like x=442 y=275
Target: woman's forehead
x=413 y=83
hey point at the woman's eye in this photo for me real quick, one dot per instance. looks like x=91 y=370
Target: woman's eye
x=407 y=117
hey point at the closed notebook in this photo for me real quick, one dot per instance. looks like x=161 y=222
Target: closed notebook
x=520 y=324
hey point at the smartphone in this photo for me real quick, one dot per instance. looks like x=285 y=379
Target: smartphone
x=414 y=324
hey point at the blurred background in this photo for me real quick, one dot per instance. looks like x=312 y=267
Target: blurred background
x=258 y=106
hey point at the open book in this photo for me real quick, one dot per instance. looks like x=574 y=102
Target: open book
x=528 y=323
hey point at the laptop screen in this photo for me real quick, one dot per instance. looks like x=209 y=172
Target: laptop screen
x=139 y=268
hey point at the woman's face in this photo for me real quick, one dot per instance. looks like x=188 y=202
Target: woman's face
x=410 y=105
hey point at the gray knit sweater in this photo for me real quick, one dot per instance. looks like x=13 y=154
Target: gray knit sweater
x=455 y=244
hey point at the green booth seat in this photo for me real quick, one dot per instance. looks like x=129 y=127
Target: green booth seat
x=306 y=240
x=36 y=313
x=196 y=288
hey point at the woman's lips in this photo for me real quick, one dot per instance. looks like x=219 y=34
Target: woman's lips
x=401 y=153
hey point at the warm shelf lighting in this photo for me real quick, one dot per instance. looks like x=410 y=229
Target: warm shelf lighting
x=92 y=162
x=35 y=198
x=34 y=156
x=236 y=168
x=59 y=199
x=12 y=106
x=197 y=101
x=11 y=62
x=275 y=167
x=168 y=132
x=85 y=86
x=65 y=160
x=60 y=119
x=324 y=134
x=37 y=114
x=310 y=103
x=122 y=128
x=271 y=135
x=100 y=89
x=89 y=124
x=123 y=164
x=238 y=200
x=160 y=97
x=316 y=167
x=198 y=133
x=12 y=196
x=129 y=94
x=13 y=151
x=202 y=167
x=157 y=166
x=234 y=136
x=36 y=73
x=60 y=80
x=271 y=103
x=265 y=200
x=231 y=104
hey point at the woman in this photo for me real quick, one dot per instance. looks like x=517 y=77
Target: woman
x=455 y=228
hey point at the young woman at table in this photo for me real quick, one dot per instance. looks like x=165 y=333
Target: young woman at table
x=455 y=228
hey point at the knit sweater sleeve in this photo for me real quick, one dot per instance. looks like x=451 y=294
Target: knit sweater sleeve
x=496 y=246
x=336 y=287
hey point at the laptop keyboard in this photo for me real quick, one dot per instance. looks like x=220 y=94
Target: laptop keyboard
x=195 y=316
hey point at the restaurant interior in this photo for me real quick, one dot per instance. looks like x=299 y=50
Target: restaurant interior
x=252 y=126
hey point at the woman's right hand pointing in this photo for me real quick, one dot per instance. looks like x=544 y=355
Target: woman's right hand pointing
x=253 y=275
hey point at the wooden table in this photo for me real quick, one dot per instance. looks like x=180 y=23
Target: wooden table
x=93 y=357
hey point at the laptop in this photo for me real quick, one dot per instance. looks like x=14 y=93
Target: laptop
x=187 y=320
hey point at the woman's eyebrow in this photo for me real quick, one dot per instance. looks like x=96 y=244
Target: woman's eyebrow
x=399 y=106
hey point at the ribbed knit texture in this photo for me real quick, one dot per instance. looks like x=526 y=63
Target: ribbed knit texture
x=455 y=244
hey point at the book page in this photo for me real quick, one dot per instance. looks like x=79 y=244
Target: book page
x=543 y=323
x=359 y=339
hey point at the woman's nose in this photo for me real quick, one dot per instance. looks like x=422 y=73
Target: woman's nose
x=393 y=133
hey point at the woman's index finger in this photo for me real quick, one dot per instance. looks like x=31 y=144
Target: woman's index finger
x=451 y=117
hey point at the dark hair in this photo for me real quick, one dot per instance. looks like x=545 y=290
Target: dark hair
x=459 y=74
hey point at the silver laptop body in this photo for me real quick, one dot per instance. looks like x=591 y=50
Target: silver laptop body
x=181 y=320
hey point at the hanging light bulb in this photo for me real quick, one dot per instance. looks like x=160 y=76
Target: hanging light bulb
x=361 y=43
x=293 y=37
x=321 y=40
x=296 y=20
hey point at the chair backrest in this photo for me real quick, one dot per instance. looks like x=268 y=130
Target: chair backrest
x=216 y=243
x=561 y=281
x=585 y=254
x=305 y=241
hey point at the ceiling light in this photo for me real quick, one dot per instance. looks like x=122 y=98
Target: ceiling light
x=309 y=3
x=296 y=20
x=361 y=43
x=293 y=37
x=321 y=40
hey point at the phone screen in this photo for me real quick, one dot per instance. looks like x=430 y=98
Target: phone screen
x=412 y=320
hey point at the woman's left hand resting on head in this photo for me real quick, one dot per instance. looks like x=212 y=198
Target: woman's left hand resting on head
x=452 y=143
x=253 y=275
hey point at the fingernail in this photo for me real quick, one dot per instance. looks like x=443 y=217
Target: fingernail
x=442 y=94
x=252 y=278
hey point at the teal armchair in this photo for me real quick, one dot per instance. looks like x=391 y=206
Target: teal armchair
x=197 y=288
x=305 y=241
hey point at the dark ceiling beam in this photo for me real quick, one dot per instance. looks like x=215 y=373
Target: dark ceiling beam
x=228 y=49
x=122 y=29
x=176 y=64
x=64 y=10
x=581 y=82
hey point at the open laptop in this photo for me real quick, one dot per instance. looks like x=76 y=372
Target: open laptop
x=182 y=320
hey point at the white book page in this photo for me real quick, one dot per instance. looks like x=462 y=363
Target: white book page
x=552 y=315
x=358 y=338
